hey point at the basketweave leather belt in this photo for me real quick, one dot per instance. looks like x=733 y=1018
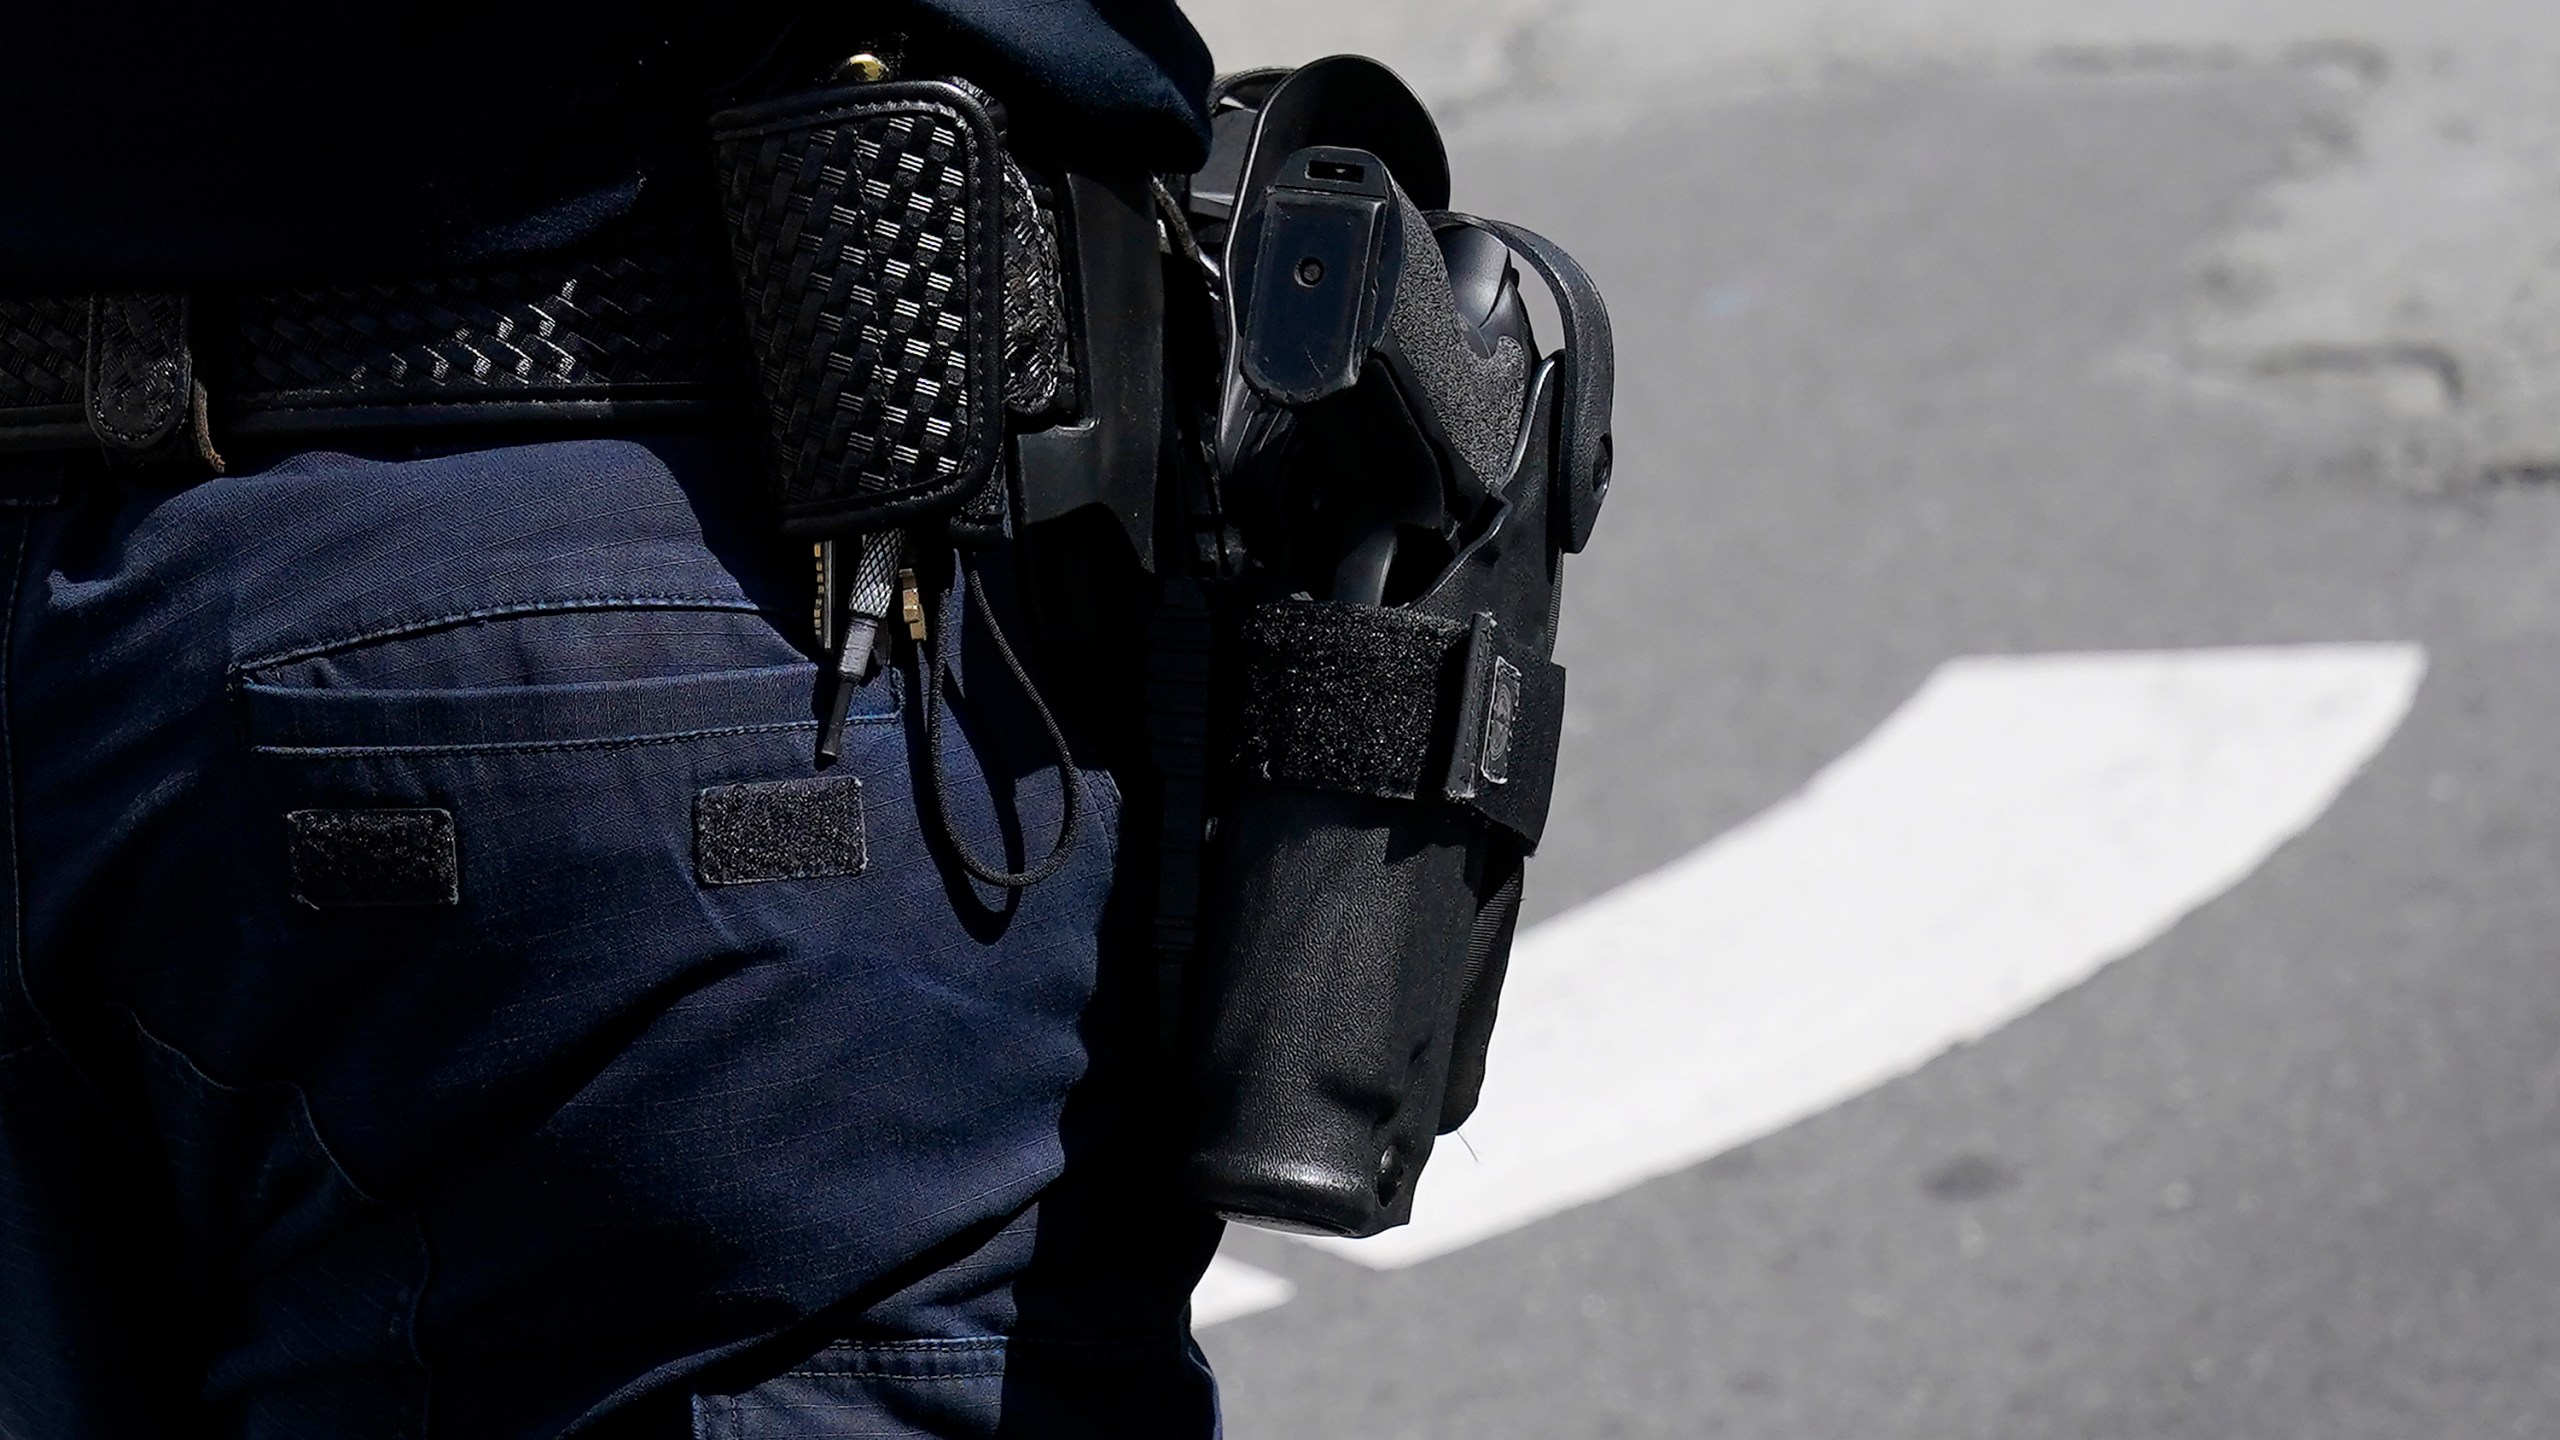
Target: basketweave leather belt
x=639 y=325
x=880 y=276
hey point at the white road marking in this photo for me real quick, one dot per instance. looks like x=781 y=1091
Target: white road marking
x=2020 y=823
x=1232 y=1290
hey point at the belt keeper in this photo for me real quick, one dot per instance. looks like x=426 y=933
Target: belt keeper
x=138 y=387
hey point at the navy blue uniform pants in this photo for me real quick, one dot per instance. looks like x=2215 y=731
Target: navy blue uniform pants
x=440 y=996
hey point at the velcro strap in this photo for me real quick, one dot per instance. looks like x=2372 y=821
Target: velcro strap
x=1401 y=706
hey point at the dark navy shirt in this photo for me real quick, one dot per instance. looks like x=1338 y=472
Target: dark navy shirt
x=159 y=143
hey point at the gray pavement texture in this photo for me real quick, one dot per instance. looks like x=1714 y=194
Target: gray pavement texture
x=1958 y=352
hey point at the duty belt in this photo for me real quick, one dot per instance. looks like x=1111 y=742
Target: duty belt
x=637 y=326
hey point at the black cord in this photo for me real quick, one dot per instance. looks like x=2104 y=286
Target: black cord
x=1071 y=785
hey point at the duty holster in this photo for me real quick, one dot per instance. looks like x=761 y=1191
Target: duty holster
x=1405 y=470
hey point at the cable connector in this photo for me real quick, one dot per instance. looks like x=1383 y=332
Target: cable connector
x=911 y=605
x=867 y=593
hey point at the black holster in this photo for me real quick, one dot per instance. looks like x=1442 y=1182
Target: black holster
x=1386 y=754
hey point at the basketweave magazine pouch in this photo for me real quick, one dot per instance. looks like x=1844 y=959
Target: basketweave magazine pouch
x=899 y=276
x=1408 y=469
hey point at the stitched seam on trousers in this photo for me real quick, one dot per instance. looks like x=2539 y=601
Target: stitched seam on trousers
x=301 y=1100
x=899 y=1375
x=946 y=1347
x=20 y=993
x=409 y=1330
x=558 y=605
x=535 y=747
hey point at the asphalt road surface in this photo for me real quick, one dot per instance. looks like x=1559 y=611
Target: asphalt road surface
x=2044 y=340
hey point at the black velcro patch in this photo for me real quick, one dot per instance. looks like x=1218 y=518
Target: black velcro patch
x=781 y=830
x=347 y=858
x=1351 y=698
